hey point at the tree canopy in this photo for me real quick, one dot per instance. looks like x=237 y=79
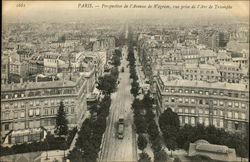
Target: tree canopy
x=61 y=121
x=107 y=84
x=142 y=142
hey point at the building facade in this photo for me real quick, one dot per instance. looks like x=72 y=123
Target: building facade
x=224 y=105
x=28 y=107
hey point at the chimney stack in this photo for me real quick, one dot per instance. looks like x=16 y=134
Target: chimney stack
x=36 y=79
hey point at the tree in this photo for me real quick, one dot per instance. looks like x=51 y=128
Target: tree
x=107 y=84
x=144 y=157
x=114 y=72
x=153 y=130
x=156 y=144
x=61 y=121
x=169 y=125
x=160 y=156
x=177 y=159
x=116 y=60
x=141 y=124
x=168 y=117
x=142 y=142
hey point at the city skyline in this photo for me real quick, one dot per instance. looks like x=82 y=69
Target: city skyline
x=65 y=11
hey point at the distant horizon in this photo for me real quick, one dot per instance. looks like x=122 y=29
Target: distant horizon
x=65 y=11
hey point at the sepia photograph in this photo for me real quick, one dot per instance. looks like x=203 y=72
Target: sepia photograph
x=124 y=81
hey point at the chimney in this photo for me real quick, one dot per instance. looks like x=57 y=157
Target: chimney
x=36 y=79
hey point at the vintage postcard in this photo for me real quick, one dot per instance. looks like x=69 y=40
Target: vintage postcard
x=125 y=81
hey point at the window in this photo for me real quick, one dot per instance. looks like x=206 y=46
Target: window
x=214 y=122
x=200 y=92
x=200 y=102
x=192 y=121
x=243 y=105
x=192 y=111
x=37 y=111
x=22 y=114
x=31 y=112
x=221 y=123
x=172 y=90
x=6 y=126
x=186 y=110
x=46 y=112
x=186 y=120
x=200 y=120
x=15 y=96
x=207 y=93
x=215 y=102
x=6 y=97
x=236 y=116
x=243 y=116
x=230 y=104
x=180 y=100
x=15 y=114
x=206 y=122
x=229 y=114
x=192 y=91
x=166 y=90
x=52 y=111
x=180 y=90
x=186 y=100
x=221 y=103
x=46 y=103
x=221 y=93
x=206 y=112
x=221 y=113
x=200 y=111
x=22 y=95
x=180 y=118
x=236 y=104
x=22 y=104
x=31 y=103
x=236 y=95
x=172 y=99
x=230 y=94
x=215 y=112
x=192 y=100
x=215 y=93
x=186 y=91
x=31 y=124
x=37 y=103
x=72 y=110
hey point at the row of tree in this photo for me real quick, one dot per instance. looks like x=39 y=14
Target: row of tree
x=90 y=135
x=143 y=115
x=180 y=137
x=107 y=84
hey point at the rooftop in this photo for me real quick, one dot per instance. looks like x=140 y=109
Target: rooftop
x=42 y=85
x=203 y=84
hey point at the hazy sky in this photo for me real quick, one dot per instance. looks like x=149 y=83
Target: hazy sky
x=69 y=11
